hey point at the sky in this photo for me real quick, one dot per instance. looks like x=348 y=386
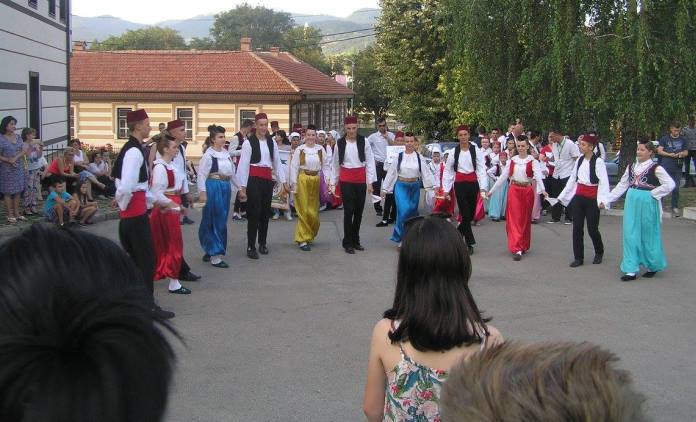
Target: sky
x=153 y=11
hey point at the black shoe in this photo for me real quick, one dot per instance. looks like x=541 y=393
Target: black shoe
x=391 y=221
x=650 y=274
x=471 y=249
x=495 y=219
x=350 y=250
x=598 y=258
x=187 y=220
x=567 y=222
x=181 y=291
x=535 y=221
x=576 y=263
x=305 y=248
x=263 y=250
x=627 y=277
x=189 y=276
x=517 y=257
x=358 y=247
x=206 y=258
x=159 y=313
x=251 y=253
x=221 y=264
x=382 y=223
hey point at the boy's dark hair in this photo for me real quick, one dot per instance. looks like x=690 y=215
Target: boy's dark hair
x=77 y=339
x=543 y=382
x=247 y=123
x=311 y=127
x=432 y=302
x=56 y=180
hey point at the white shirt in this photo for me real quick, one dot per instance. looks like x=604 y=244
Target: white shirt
x=351 y=160
x=79 y=157
x=179 y=164
x=245 y=162
x=234 y=145
x=160 y=181
x=564 y=155
x=666 y=183
x=409 y=170
x=583 y=176
x=225 y=167
x=128 y=183
x=312 y=161
x=519 y=173
x=465 y=166
x=98 y=169
x=435 y=170
x=601 y=151
x=379 y=144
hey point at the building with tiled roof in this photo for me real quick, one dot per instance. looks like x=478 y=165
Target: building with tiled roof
x=199 y=87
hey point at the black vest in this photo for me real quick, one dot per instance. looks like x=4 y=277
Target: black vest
x=240 y=138
x=472 y=151
x=593 y=169
x=341 y=143
x=651 y=181
x=116 y=172
x=256 y=148
x=401 y=157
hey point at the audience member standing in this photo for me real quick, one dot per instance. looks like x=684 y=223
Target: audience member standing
x=689 y=135
x=379 y=141
x=34 y=161
x=565 y=152
x=12 y=178
x=671 y=150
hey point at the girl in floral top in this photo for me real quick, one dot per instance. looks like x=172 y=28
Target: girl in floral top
x=433 y=324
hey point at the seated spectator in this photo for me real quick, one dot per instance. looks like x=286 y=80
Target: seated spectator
x=65 y=167
x=86 y=207
x=543 y=382
x=101 y=169
x=60 y=205
x=79 y=343
x=433 y=324
x=80 y=158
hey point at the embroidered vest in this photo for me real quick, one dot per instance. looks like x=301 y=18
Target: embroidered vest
x=646 y=180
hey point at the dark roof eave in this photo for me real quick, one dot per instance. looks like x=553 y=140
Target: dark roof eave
x=184 y=96
x=326 y=96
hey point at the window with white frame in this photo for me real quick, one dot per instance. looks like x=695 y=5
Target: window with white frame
x=72 y=123
x=186 y=116
x=122 y=122
x=246 y=115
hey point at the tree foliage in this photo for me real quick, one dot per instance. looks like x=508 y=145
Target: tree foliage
x=303 y=43
x=150 y=38
x=264 y=26
x=370 y=93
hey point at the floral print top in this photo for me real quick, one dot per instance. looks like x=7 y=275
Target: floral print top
x=413 y=391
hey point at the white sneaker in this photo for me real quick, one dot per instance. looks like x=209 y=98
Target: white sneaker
x=288 y=217
x=675 y=212
x=275 y=217
x=322 y=208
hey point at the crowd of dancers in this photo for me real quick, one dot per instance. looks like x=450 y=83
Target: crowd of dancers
x=511 y=177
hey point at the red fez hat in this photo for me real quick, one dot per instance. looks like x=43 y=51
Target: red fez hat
x=463 y=127
x=296 y=126
x=174 y=124
x=350 y=120
x=274 y=123
x=399 y=134
x=136 y=116
x=261 y=116
x=590 y=139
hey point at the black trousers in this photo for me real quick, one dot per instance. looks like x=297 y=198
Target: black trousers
x=467 y=195
x=691 y=158
x=109 y=186
x=389 y=213
x=259 y=194
x=353 y=195
x=136 y=239
x=557 y=186
x=585 y=209
x=377 y=186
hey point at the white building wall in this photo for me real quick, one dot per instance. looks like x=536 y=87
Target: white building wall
x=33 y=40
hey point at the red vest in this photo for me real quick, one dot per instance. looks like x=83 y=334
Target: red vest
x=530 y=169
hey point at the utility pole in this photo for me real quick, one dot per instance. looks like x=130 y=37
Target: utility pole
x=352 y=82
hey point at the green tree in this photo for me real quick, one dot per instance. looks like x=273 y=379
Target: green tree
x=264 y=26
x=202 y=44
x=304 y=43
x=411 y=52
x=150 y=38
x=370 y=95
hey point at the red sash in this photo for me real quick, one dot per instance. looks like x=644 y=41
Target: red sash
x=136 y=207
x=586 y=191
x=356 y=175
x=261 y=172
x=465 y=177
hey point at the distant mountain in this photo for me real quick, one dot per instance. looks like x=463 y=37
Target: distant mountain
x=101 y=27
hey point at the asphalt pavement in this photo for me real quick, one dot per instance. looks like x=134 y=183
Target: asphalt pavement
x=286 y=338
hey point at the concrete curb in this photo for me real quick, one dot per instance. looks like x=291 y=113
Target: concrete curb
x=688 y=213
x=11 y=231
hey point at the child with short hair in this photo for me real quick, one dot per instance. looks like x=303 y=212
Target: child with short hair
x=59 y=204
x=86 y=207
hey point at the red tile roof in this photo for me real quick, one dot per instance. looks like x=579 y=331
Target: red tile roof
x=198 y=72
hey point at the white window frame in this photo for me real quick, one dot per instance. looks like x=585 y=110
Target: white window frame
x=117 y=120
x=193 y=120
x=73 y=122
x=241 y=118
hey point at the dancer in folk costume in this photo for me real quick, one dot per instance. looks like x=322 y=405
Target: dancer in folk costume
x=404 y=179
x=587 y=187
x=135 y=235
x=497 y=201
x=444 y=201
x=216 y=183
x=306 y=166
x=354 y=172
x=524 y=174
x=259 y=160
x=434 y=167
x=647 y=183
x=166 y=188
x=389 y=212
x=535 y=151
x=465 y=170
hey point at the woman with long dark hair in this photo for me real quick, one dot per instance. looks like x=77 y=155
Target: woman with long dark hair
x=12 y=179
x=433 y=323
x=216 y=176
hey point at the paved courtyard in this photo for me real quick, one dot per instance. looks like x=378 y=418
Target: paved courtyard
x=286 y=338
